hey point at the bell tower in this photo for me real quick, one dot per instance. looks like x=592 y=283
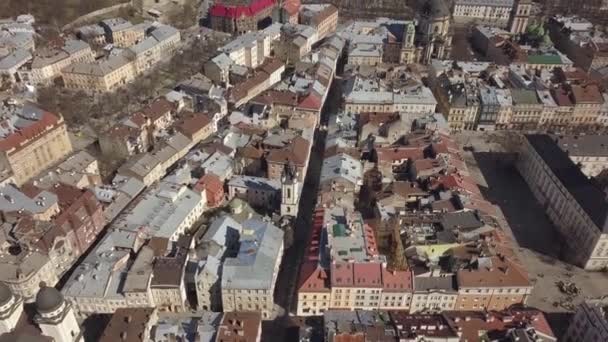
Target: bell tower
x=290 y=191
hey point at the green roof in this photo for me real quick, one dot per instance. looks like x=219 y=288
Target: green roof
x=339 y=230
x=544 y=59
x=524 y=96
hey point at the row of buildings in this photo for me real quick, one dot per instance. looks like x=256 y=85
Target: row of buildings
x=97 y=59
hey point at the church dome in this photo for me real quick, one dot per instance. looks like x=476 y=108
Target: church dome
x=5 y=294
x=48 y=299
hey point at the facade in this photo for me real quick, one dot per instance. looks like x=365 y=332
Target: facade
x=576 y=206
x=588 y=324
x=11 y=308
x=434 y=294
x=48 y=63
x=323 y=18
x=519 y=16
x=121 y=32
x=496 y=13
x=248 y=280
x=56 y=317
x=33 y=140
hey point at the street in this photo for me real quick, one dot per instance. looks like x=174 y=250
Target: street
x=285 y=290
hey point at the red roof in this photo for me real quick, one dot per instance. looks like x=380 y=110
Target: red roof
x=397 y=281
x=368 y=274
x=292 y=6
x=221 y=10
x=311 y=102
x=313 y=278
x=210 y=183
x=18 y=139
x=342 y=274
x=391 y=154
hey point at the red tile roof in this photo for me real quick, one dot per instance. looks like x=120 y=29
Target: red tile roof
x=221 y=10
x=158 y=108
x=210 y=183
x=342 y=274
x=292 y=6
x=589 y=93
x=193 y=123
x=503 y=273
x=311 y=102
x=368 y=274
x=396 y=281
x=25 y=135
x=313 y=278
x=296 y=152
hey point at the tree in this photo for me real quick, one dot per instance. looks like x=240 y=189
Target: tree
x=397 y=257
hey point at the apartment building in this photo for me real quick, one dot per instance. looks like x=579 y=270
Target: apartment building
x=240 y=327
x=589 y=324
x=99 y=77
x=496 y=13
x=48 y=63
x=587 y=100
x=121 y=32
x=527 y=109
x=249 y=279
x=240 y=17
x=368 y=96
x=434 y=293
x=249 y=50
x=32 y=140
x=572 y=202
x=496 y=284
x=321 y=17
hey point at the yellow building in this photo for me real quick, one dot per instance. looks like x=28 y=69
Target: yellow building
x=33 y=140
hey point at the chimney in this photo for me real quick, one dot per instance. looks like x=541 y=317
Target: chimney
x=123 y=335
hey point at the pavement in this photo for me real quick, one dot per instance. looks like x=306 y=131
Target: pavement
x=538 y=242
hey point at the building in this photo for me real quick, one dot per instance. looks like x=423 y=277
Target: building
x=321 y=17
x=31 y=140
x=166 y=210
x=213 y=188
x=240 y=327
x=588 y=324
x=586 y=151
x=434 y=32
x=576 y=206
x=240 y=17
x=527 y=109
x=56 y=317
x=129 y=324
x=121 y=33
x=168 y=287
x=248 y=280
x=11 y=308
x=519 y=16
x=48 y=63
x=249 y=50
x=434 y=293
x=120 y=69
x=495 y=13
x=496 y=284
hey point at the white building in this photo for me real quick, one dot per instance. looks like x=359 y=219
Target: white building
x=56 y=317
x=248 y=280
x=576 y=206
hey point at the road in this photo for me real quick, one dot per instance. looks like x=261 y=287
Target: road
x=287 y=280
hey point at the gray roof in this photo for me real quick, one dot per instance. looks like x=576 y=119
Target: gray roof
x=260 y=249
x=12 y=200
x=254 y=183
x=48 y=299
x=161 y=210
x=15 y=59
x=584 y=145
x=219 y=164
x=164 y=32
x=222 y=230
x=460 y=220
x=342 y=166
x=445 y=283
x=99 y=69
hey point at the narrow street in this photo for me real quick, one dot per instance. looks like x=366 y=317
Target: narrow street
x=285 y=290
